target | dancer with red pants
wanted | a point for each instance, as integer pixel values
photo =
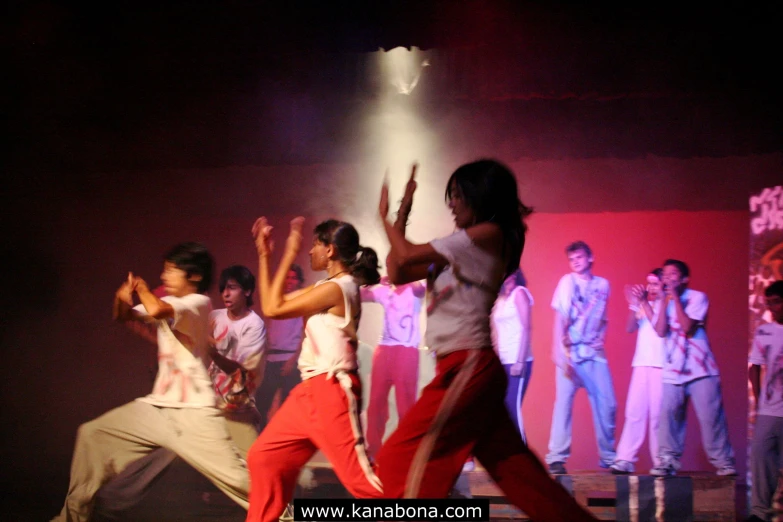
(395, 361)
(462, 410)
(322, 412)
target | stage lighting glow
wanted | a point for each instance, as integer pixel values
(404, 68)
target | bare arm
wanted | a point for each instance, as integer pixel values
(560, 353)
(225, 364)
(155, 307)
(686, 323)
(754, 375)
(408, 262)
(525, 312)
(662, 323)
(632, 324)
(273, 303)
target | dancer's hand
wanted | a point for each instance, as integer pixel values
(633, 294)
(410, 188)
(516, 369)
(139, 284)
(262, 234)
(383, 204)
(125, 291)
(294, 241)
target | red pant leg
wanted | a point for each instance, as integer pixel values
(424, 457)
(406, 378)
(378, 408)
(277, 456)
(522, 477)
(337, 431)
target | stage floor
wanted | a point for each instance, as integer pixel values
(183, 495)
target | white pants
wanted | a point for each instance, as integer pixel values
(642, 411)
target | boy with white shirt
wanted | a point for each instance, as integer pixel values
(690, 374)
(236, 368)
(765, 452)
(580, 303)
(180, 413)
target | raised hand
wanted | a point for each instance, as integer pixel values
(410, 188)
(294, 241)
(383, 204)
(138, 283)
(262, 234)
(125, 291)
(639, 293)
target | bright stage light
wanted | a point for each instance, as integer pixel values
(404, 68)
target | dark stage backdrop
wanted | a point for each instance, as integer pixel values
(70, 242)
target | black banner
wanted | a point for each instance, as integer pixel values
(321, 510)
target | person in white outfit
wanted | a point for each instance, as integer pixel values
(511, 339)
(643, 405)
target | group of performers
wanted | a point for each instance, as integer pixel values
(210, 402)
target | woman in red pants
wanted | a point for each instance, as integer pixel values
(462, 411)
(322, 412)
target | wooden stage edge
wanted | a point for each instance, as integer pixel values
(697, 497)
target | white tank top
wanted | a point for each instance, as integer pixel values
(330, 341)
(507, 327)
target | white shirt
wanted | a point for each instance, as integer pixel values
(402, 306)
(582, 303)
(183, 356)
(507, 328)
(688, 358)
(330, 341)
(242, 341)
(767, 351)
(461, 296)
(650, 346)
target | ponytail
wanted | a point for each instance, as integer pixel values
(365, 267)
(361, 262)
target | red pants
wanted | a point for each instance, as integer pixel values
(462, 412)
(319, 413)
(396, 366)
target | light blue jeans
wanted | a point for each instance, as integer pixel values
(595, 378)
(708, 403)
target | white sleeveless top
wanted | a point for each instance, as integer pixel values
(507, 328)
(330, 342)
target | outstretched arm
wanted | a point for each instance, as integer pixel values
(274, 303)
(156, 308)
(406, 262)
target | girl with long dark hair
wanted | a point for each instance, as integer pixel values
(462, 410)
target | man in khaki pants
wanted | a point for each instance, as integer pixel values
(237, 366)
(180, 413)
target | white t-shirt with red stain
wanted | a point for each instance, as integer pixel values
(583, 305)
(767, 351)
(402, 306)
(242, 341)
(330, 341)
(688, 358)
(183, 355)
(460, 297)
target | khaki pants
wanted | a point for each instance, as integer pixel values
(106, 445)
